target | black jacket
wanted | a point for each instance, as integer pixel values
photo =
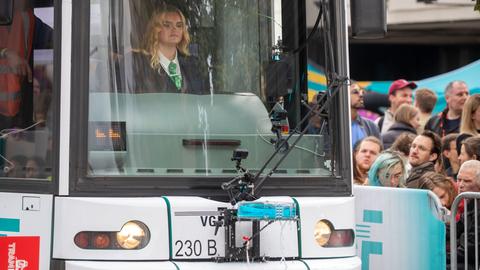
(437, 124)
(394, 131)
(142, 78)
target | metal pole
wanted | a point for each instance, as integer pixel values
(453, 228)
(465, 234)
(476, 235)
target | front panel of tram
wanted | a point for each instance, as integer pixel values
(193, 141)
(191, 115)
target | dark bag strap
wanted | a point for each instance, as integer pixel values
(380, 123)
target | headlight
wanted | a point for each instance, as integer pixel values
(322, 232)
(133, 235)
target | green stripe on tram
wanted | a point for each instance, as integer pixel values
(299, 228)
(305, 263)
(170, 249)
(176, 266)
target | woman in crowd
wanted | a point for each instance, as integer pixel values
(441, 186)
(388, 170)
(470, 149)
(403, 143)
(364, 154)
(407, 119)
(450, 155)
(470, 122)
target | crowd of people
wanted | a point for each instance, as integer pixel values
(409, 147)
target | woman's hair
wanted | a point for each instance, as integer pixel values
(405, 113)
(472, 147)
(403, 143)
(385, 161)
(459, 141)
(471, 105)
(433, 180)
(357, 174)
(151, 35)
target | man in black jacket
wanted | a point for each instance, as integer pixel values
(448, 121)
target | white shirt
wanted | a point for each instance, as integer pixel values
(388, 121)
(164, 62)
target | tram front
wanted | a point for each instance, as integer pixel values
(188, 138)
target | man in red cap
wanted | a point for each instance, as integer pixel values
(400, 92)
(448, 121)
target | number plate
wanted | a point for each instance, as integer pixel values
(193, 235)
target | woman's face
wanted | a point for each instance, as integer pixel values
(415, 121)
(170, 29)
(442, 195)
(463, 155)
(392, 177)
(476, 118)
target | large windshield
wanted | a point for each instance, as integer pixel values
(176, 86)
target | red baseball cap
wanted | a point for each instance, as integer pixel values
(399, 84)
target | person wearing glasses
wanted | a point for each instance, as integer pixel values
(164, 64)
(424, 151)
(361, 127)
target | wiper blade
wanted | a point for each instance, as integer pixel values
(315, 110)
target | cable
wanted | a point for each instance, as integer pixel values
(257, 233)
(14, 131)
(314, 29)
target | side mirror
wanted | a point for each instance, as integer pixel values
(368, 19)
(6, 12)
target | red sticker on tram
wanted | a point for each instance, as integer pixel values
(19, 252)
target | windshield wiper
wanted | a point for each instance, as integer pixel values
(321, 105)
(246, 185)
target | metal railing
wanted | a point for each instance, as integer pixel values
(467, 198)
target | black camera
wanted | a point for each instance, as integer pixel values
(239, 154)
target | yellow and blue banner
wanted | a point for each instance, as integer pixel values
(469, 74)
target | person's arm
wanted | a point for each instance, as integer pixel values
(19, 65)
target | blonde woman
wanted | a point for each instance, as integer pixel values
(164, 63)
(407, 119)
(470, 122)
